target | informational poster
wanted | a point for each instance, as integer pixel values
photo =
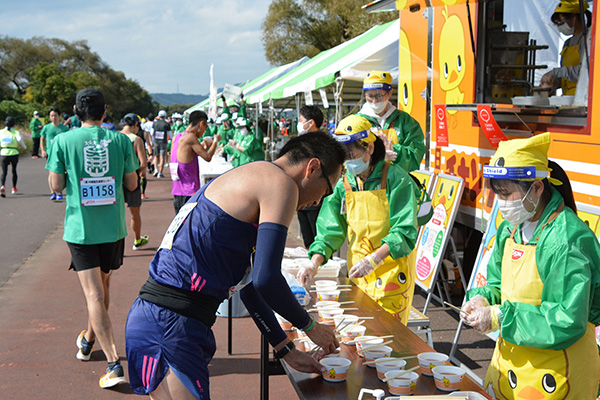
(433, 238)
(441, 133)
(591, 217)
(308, 98)
(324, 100)
(479, 274)
(232, 92)
(488, 124)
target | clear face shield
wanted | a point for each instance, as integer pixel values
(375, 96)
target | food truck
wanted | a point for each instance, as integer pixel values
(469, 72)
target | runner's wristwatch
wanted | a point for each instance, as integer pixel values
(284, 351)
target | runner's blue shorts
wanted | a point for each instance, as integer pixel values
(158, 339)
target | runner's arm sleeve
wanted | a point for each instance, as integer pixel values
(494, 268)
(411, 147)
(561, 318)
(331, 224)
(402, 237)
(269, 290)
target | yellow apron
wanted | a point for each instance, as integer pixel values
(391, 284)
(391, 134)
(520, 372)
(570, 58)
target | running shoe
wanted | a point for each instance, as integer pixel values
(53, 196)
(112, 377)
(35, 156)
(139, 243)
(59, 196)
(85, 349)
(14, 191)
(2, 191)
(143, 196)
(155, 172)
(160, 175)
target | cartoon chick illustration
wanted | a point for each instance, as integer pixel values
(405, 74)
(444, 196)
(452, 59)
(446, 382)
(332, 373)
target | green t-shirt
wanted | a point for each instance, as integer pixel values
(50, 132)
(36, 127)
(75, 122)
(95, 160)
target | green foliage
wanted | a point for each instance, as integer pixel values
(296, 28)
(50, 72)
(22, 112)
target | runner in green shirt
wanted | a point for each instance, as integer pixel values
(94, 163)
(36, 128)
(48, 134)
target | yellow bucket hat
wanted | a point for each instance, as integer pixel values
(354, 128)
(521, 159)
(570, 6)
(377, 80)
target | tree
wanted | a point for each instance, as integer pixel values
(296, 28)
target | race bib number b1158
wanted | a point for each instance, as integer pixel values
(98, 191)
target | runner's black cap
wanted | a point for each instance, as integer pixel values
(10, 121)
(89, 98)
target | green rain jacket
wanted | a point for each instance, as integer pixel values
(411, 142)
(251, 147)
(401, 193)
(568, 262)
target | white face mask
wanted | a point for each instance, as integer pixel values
(567, 30)
(515, 212)
(178, 123)
(244, 131)
(377, 107)
(301, 127)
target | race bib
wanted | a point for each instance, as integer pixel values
(98, 191)
(6, 141)
(173, 168)
(181, 216)
(160, 135)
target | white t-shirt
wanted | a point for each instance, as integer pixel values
(147, 126)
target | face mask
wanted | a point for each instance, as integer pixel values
(300, 128)
(377, 107)
(515, 212)
(567, 30)
(178, 123)
(356, 166)
(244, 131)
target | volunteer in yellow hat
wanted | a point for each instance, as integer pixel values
(403, 136)
(567, 18)
(374, 206)
(543, 292)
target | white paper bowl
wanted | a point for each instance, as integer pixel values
(347, 320)
(385, 366)
(327, 304)
(427, 361)
(448, 378)
(328, 295)
(366, 341)
(348, 335)
(377, 353)
(402, 385)
(337, 368)
(325, 284)
(327, 314)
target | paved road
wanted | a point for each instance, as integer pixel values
(27, 218)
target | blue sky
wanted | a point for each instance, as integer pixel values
(161, 44)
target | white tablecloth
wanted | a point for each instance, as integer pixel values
(212, 169)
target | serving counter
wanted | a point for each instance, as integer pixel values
(405, 343)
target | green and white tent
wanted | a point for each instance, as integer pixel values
(377, 48)
(256, 84)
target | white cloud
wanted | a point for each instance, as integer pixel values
(161, 44)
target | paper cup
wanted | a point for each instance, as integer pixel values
(337, 368)
(327, 315)
(366, 341)
(402, 385)
(448, 378)
(427, 361)
(348, 335)
(385, 366)
(377, 353)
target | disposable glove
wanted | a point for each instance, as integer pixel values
(365, 266)
(390, 155)
(307, 273)
(485, 319)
